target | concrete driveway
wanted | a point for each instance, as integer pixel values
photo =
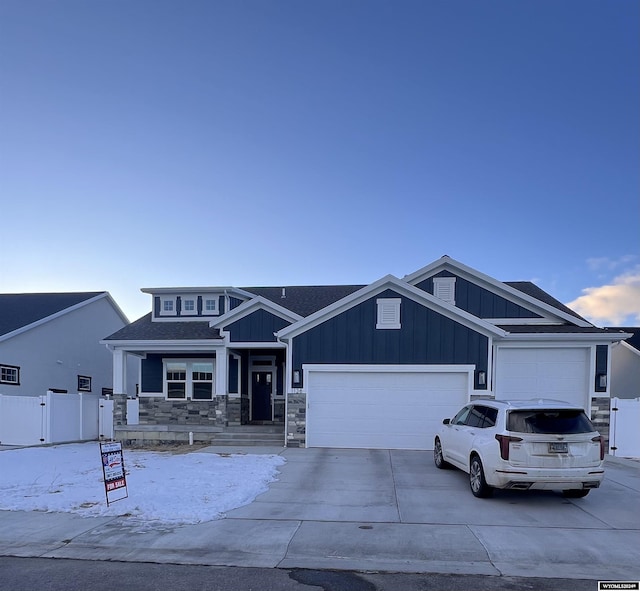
(372, 510)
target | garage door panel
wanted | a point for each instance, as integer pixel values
(543, 373)
(396, 410)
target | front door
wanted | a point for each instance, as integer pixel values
(261, 388)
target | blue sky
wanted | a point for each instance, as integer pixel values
(148, 143)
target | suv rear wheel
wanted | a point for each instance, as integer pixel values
(478, 484)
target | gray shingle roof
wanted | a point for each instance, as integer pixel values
(144, 329)
(533, 290)
(304, 299)
(18, 310)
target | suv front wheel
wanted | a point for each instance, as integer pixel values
(479, 486)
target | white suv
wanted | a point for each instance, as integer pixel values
(523, 444)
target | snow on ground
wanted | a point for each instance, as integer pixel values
(163, 487)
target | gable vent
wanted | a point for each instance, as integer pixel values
(444, 288)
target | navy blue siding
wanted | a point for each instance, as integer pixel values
(151, 370)
(258, 326)
(234, 302)
(601, 365)
(479, 301)
(426, 337)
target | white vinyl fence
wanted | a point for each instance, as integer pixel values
(53, 418)
(624, 431)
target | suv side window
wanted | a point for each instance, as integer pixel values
(475, 418)
(482, 417)
(461, 417)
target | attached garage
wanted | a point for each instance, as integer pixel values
(382, 407)
(551, 372)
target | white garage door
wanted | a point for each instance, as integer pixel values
(381, 409)
(561, 374)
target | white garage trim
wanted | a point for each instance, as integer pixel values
(382, 406)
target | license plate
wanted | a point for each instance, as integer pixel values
(558, 447)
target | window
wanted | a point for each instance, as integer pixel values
(210, 305)
(388, 313)
(549, 421)
(189, 307)
(84, 384)
(444, 288)
(167, 305)
(461, 417)
(202, 381)
(10, 374)
(482, 416)
(189, 379)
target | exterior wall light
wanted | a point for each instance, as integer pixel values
(482, 378)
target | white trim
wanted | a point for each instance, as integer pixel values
(401, 288)
(189, 362)
(174, 306)
(475, 276)
(248, 307)
(189, 298)
(220, 290)
(524, 321)
(216, 305)
(631, 348)
(170, 345)
(566, 337)
(237, 394)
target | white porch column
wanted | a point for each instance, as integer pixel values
(119, 371)
(222, 363)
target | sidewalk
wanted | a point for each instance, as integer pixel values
(370, 510)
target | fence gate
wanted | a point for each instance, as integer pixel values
(105, 419)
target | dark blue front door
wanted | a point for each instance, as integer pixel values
(261, 383)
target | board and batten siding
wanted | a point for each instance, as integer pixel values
(258, 326)
(425, 337)
(479, 301)
(151, 369)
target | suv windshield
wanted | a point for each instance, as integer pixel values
(549, 421)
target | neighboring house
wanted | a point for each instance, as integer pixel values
(373, 366)
(51, 341)
(625, 365)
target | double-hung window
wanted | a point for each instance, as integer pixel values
(189, 379)
(10, 374)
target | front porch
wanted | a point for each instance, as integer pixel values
(245, 435)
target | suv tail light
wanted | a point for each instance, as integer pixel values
(600, 439)
(504, 441)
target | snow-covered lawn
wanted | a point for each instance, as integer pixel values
(163, 487)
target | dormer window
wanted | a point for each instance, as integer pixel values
(210, 305)
(388, 313)
(189, 306)
(444, 288)
(167, 306)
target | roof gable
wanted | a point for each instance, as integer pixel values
(522, 293)
(22, 311)
(400, 287)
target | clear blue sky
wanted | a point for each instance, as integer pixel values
(148, 143)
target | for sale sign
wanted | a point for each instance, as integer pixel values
(115, 482)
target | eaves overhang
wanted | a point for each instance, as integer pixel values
(402, 288)
(595, 337)
(447, 263)
(176, 345)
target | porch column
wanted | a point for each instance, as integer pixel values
(222, 364)
(119, 371)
